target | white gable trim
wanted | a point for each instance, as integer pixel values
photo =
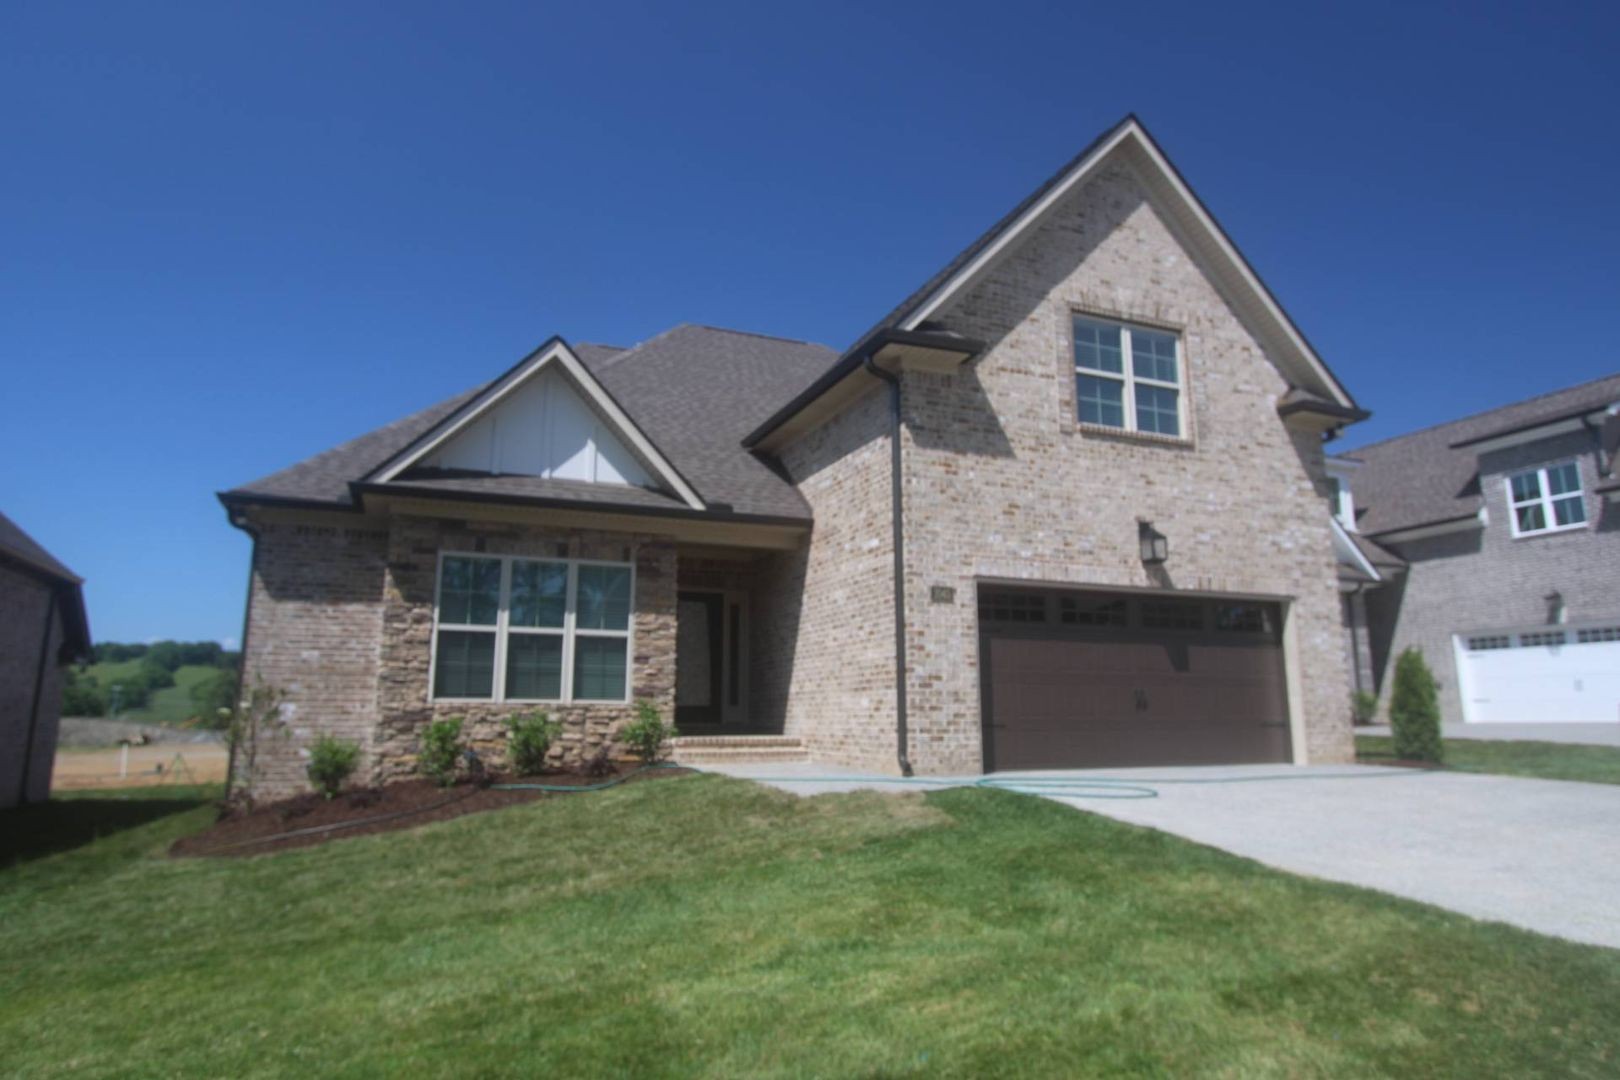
(1163, 180)
(556, 352)
(1349, 554)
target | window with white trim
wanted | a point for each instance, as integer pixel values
(1546, 500)
(1127, 377)
(508, 628)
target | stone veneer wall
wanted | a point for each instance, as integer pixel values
(26, 600)
(1001, 482)
(341, 620)
(406, 706)
(824, 617)
(1485, 580)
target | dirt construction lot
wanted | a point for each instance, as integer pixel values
(172, 763)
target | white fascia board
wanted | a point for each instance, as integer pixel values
(1348, 553)
(1194, 214)
(560, 354)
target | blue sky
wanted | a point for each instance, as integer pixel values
(232, 235)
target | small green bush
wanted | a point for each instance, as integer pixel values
(441, 751)
(1363, 706)
(647, 735)
(1414, 710)
(331, 762)
(528, 738)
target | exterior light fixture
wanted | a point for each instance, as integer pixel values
(1555, 608)
(1155, 545)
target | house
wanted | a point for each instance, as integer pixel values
(1497, 543)
(1066, 505)
(44, 628)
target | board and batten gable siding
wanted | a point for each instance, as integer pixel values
(1487, 579)
(825, 628)
(1002, 484)
(26, 602)
(542, 428)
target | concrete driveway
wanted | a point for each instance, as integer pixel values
(1539, 854)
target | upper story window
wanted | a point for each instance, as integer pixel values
(1128, 377)
(1546, 500)
(512, 629)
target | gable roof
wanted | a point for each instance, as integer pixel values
(554, 353)
(19, 547)
(1431, 476)
(1129, 139)
(693, 391)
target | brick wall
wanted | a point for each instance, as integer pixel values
(26, 600)
(1001, 483)
(315, 632)
(825, 618)
(1486, 579)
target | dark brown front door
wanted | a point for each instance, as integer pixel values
(1091, 680)
(698, 658)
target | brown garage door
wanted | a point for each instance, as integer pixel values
(1088, 680)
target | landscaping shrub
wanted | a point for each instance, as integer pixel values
(331, 762)
(441, 751)
(1363, 706)
(1414, 710)
(647, 734)
(598, 765)
(528, 738)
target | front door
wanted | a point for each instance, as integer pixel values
(699, 658)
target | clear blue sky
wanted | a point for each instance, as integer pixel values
(232, 235)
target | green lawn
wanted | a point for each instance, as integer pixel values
(171, 705)
(1545, 760)
(705, 926)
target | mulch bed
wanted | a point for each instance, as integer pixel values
(402, 805)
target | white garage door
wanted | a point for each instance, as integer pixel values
(1558, 676)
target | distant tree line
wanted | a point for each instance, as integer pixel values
(85, 694)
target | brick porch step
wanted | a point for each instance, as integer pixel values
(737, 749)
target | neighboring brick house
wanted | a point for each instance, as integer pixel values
(1066, 505)
(1497, 539)
(44, 627)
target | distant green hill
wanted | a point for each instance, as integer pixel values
(171, 705)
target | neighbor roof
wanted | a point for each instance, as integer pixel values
(694, 391)
(1431, 476)
(21, 548)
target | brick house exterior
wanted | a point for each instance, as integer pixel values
(748, 508)
(1460, 572)
(44, 629)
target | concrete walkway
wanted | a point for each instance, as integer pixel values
(1539, 854)
(1587, 734)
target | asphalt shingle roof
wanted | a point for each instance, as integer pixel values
(695, 391)
(1422, 477)
(24, 548)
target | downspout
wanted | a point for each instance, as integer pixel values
(897, 524)
(1355, 636)
(241, 664)
(39, 691)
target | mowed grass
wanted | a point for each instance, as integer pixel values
(702, 926)
(1544, 760)
(171, 705)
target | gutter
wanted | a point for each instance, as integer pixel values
(897, 525)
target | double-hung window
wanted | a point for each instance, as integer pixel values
(1128, 377)
(1546, 500)
(516, 629)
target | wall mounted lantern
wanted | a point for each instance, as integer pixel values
(1155, 545)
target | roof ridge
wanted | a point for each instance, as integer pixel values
(751, 333)
(626, 352)
(1482, 412)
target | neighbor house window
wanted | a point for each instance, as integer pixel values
(515, 629)
(1127, 377)
(1546, 500)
